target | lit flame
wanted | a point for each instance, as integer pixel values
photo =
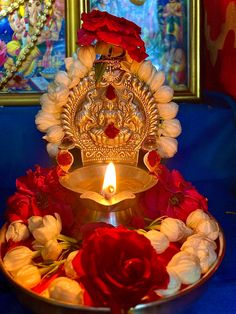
(109, 183)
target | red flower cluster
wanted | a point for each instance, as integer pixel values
(104, 27)
(118, 267)
(39, 193)
(172, 196)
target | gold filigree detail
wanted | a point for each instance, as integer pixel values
(132, 116)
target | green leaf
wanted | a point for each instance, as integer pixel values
(100, 68)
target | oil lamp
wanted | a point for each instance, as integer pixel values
(109, 129)
(110, 192)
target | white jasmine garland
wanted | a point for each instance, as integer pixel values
(145, 70)
(44, 120)
(18, 257)
(87, 56)
(61, 77)
(209, 228)
(174, 229)
(28, 276)
(195, 217)
(46, 229)
(199, 241)
(203, 248)
(76, 68)
(68, 62)
(164, 94)
(168, 110)
(186, 266)
(167, 146)
(49, 105)
(135, 66)
(52, 149)
(58, 93)
(17, 231)
(76, 72)
(66, 290)
(34, 222)
(173, 285)
(206, 256)
(171, 128)
(157, 81)
(153, 73)
(54, 134)
(158, 240)
(51, 250)
(69, 269)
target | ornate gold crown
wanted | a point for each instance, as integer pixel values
(110, 128)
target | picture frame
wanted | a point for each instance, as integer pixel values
(67, 44)
(178, 29)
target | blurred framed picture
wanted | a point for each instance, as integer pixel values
(171, 31)
(42, 57)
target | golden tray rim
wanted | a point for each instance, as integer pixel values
(138, 308)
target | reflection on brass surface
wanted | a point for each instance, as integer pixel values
(90, 178)
(88, 181)
(88, 113)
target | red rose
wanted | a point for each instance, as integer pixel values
(173, 196)
(21, 207)
(102, 26)
(88, 229)
(118, 267)
(40, 193)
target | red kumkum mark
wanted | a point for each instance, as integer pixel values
(111, 131)
(110, 92)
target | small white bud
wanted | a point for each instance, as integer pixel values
(66, 290)
(51, 250)
(28, 276)
(158, 240)
(174, 229)
(186, 266)
(194, 218)
(17, 231)
(173, 286)
(69, 269)
(209, 228)
(18, 257)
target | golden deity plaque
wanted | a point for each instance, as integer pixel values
(110, 128)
